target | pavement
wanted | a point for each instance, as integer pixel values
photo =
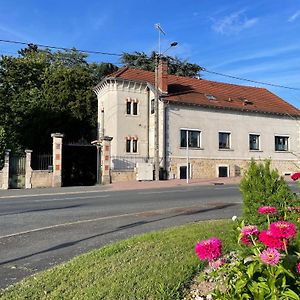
(120, 186)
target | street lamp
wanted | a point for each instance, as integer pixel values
(158, 56)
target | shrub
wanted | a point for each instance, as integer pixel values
(262, 186)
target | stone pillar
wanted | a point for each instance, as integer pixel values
(28, 170)
(57, 159)
(105, 159)
(5, 171)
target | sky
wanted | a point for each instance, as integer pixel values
(256, 40)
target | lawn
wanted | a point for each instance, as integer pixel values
(157, 265)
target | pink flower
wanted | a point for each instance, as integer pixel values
(267, 238)
(209, 249)
(283, 229)
(298, 267)
(295, 176)
(248, 231)
(270, 256)
(267, 210)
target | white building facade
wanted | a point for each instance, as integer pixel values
(206, 129)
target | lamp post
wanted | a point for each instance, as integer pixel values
(156, 111)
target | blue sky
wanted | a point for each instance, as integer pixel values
(258, 40)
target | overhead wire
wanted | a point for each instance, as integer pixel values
(119, 54)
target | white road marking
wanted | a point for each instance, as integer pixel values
(103, 218)
(52, 194)
(71, 198)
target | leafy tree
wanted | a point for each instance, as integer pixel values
(43, 92)
(262, 186)
(141, 60)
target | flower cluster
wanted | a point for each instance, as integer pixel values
(270, 257)
(267, 210)
(210, 249)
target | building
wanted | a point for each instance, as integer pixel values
(213, 128)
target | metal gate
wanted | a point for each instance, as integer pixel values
(79, 165)
(17, 167)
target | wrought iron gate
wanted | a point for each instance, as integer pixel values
(79, 165)
(17, 167)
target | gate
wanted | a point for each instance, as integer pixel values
(17, 166)
(79, 165)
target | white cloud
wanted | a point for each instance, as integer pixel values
(294, 16)
(266, 53)
(233, 23)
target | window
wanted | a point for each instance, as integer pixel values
(193, 138)
(134, 146)
(128, 108)
(254, 142)
(134, 111)
(152, 105)
(131, 106)
(128, 145)
(281, 143)
(131, 145)
(224, 140)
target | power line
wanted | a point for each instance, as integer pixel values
(118, 54)
(250, 80)
(60, 48)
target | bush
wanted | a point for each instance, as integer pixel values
(262, 186)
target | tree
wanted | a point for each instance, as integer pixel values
(141, 60)
(262, 186)
(43, 92)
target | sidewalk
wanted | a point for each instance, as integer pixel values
(136, 185)
(118, 186)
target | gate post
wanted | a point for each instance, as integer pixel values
(5, 171)
(28, 170)
(105, 159)
(57, 159)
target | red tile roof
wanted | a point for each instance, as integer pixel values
(194, 91)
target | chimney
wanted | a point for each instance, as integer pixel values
(163, 75)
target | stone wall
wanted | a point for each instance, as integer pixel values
(126, 175)
(41, 179)
(209, 168)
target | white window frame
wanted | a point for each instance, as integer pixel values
(132, 140)
(132, 101)
(259, 141)
(282, 136)
(199, 138)
(230, 144)
(225, 166)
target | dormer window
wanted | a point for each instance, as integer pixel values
(245, 101)
(211, 97)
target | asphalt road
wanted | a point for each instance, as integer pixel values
(39, 231)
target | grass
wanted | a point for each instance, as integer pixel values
(152, 266)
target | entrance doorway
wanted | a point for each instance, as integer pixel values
(183, 172)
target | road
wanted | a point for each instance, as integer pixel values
(42, 230)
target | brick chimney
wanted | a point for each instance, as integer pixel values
(163, 75)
